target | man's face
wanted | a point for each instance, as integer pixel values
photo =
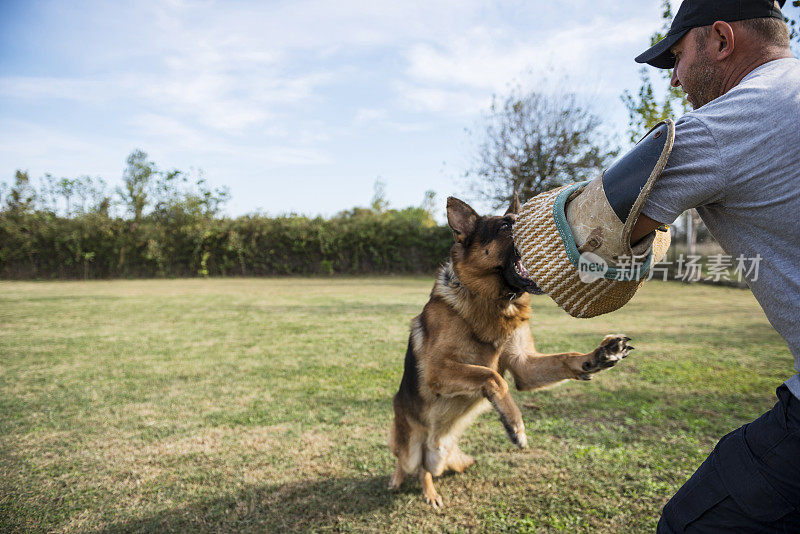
(695, 71)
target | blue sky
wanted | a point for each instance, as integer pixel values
(296, 106)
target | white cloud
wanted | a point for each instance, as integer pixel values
(368, 115)
(42, 149)
(288, 155)
(171, 135)
(169, 130)
(238, 66)
(433, 99)
(460, 76)
(380, 118)
(265, 85)
(16, 142)
(51, 87)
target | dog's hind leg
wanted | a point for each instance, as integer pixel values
(398, 477)
(399, 437)
(431, 495)
(409, 460)
(435, 456)
(437, 453)
(406, 442)
(441, 448)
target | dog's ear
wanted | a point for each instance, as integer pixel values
(461, 218)
(513, 208)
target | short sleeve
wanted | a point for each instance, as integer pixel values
(693, 176)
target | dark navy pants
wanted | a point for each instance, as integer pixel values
(749, 483)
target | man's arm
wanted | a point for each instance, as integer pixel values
(694, 176)
(644, 225)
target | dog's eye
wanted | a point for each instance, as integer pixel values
(505, 225)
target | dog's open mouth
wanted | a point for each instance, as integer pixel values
(518, 277)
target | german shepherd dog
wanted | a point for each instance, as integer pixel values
(471, 332)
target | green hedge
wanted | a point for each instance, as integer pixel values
(42, 245)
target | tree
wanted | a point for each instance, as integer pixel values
(93, 193)
(379, 203)
(137, 179)
(168, 194)
(533, 142)
(176, 193)
(66, 187)
(73, 196)
(429, 204)
(794, 28)
(21, 196)
(644, 109)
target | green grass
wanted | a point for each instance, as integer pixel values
(263, 405)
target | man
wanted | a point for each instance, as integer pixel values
(737, 160)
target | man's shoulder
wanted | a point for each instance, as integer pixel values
(695, 125)
(776, 69)
(767, 85)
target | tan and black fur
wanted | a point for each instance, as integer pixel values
(471, 332)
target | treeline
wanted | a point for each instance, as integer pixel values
(168, 224)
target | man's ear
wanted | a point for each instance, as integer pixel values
(723, 38)
(461, 218)
(513, 208)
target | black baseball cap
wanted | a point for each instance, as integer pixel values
(697, 13)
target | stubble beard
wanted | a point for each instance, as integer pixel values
(704, 82)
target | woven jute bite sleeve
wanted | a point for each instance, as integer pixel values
(575, 240)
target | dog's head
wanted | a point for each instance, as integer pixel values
(483, 255)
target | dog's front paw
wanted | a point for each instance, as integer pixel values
(522, 439)
(516, 433)
(612, 349)
(511, 418)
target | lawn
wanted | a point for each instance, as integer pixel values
(263, 405)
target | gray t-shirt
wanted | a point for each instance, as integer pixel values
(737, 160)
